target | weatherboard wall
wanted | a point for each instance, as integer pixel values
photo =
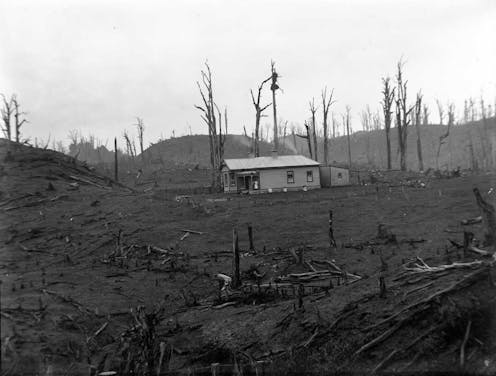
(277, 178)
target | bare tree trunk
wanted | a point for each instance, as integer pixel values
(258, 115)
(6, 112)
(313, 109)
(236, 278)
(216, 142)
(116, 168)
(308, 137)
(274, 86)
(346, 121)
(18, 121)
(141, 129)
(326, 103)
(402, 115)
(387, 102)
(418, 111)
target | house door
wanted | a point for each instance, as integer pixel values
(247, 182)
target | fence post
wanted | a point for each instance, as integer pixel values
(332, 241)
(250, 237)
(116, 167)
(236, 282)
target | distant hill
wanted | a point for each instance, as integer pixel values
(195, 150)
(367, 148)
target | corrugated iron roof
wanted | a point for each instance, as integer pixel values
(280, 161)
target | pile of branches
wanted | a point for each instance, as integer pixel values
(431, 315)
(140, 350)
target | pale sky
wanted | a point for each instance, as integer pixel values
(96, 65)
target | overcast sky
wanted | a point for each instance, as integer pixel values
(96, 65)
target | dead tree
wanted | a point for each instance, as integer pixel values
(129, 145)
(236, 278)
(216, 140)
(258, 114)
(308, 138)
(402, 115)
(141, 128)
(313, 110)
(116, 166)
(366, 118)
(274, 86)
(425, 116)
(485, 139)
(326, 103)
(334, 125)
(442, 140)
(18, 118)
(346, 123)
(387, 102)
(451, 123)
(6, 112)
(418, 113)
(440, 110)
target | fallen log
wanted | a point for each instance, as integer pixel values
(403, 349)
(464, 344)
(193, 232)
(464, 282)
(86, 181)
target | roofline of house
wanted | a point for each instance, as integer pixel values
(271, 167)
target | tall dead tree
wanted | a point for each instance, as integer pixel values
(129, 145)
(274, 86)
(366, 119)
(346, 123)
(425, 116)
(485, 140)
(258, 114)
(116, 162)
(308, 137)
(326, 103)
(313, 110)
(140, 125)
(451, 123)
(334, 125)
(387, 102)
(402, 114)
(417, 116)
(442, 140)
(440, 110)
(18, 120)
(216, 140)
(6, 112)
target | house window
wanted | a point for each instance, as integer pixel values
(231, 178)
(310, 176)
(290, 176)
(340, 175)
(226, 180)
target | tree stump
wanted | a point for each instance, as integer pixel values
(236, 281)
(332, 241)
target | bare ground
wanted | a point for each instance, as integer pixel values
(77, 297)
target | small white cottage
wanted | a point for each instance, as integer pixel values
(270, 174)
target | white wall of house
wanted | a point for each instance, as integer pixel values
(339, 176)
(278, 178)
